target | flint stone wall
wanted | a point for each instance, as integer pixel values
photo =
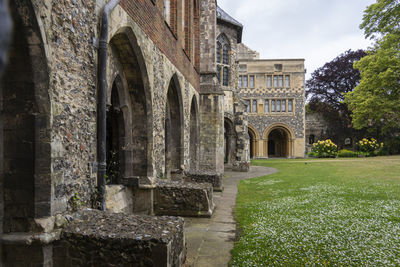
(214, 179)
(183, 199)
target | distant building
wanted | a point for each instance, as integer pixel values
(274, 92)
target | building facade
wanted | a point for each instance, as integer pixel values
(274, 93)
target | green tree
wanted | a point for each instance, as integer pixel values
(381, 18)
(375, 102)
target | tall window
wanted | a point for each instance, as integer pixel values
(287, 81)
(219, 73)
(254, 106)
(251, 81)
(222, 57)
(283, 106)
(266, 106)
(278, 105)
(275, 81)
(272, 105)
(248, 107)
(240, 81)
(290, 105)
(269, 81)
(244, 81)
(167, 8)
(219, 48)
(225, 55)
(280, 80)
(225, 76)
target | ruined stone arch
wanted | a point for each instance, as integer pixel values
(194, 134)
(254, 140)
(174, 128)
(279, 140)
(230, 138)
(139, 162)
(119, 132)
(25, 156)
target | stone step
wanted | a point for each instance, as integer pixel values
(183, 199)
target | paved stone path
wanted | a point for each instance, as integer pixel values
(210, 240)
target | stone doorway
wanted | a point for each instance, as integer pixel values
(173, 130)
(194, 135)
(278, 143)
(115, 139)
(229, 141)
(252, 136)
(25, 126)
(130, 108)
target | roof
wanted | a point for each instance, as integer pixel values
(222, 15)
(225, 17)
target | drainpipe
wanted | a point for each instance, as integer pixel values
(101, 102)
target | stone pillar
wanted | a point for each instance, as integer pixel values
(211, 139)
(242, 160)
(211, 132)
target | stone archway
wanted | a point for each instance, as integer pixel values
(254, 138)
(279, 141)
(173, 130)
(194, 135)
(229, 141)
(118, 147)
(25, 126)
(137, 138)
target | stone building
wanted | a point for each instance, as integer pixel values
(274, 92)
(229, 36)
(316, 129)
(110, 104)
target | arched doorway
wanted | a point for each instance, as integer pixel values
(25, 126)
(253, 142)
(133, 107)
(115, 138)
(279, 141)
(194, 133)
(173, 129)
(229, 141)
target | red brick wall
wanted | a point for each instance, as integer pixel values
(151, 21)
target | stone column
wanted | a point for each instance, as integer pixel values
(211, 139)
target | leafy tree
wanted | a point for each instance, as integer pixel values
(326, 88)
(375, 102)
(381, 18)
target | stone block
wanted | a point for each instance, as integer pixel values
(213, 178)
(95, 238)
(119, 198)
(183, 199)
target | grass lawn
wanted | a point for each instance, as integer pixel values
(340, 212)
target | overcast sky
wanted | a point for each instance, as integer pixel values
(316, 30)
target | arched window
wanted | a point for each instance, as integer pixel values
(219, 73)
(222, 56)
(225, 76)
(219, 48)
(225, 55)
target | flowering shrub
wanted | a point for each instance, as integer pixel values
(369, 147)
(325, 149)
